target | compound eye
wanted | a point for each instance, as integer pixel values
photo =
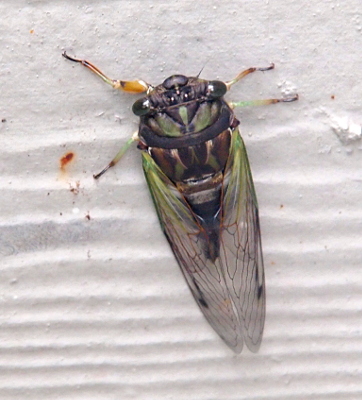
(141, 107)
(216, 89)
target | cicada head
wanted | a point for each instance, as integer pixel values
(180, 106)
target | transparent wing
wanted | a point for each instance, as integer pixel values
(230, 291)
(188, 239)
(240, 250)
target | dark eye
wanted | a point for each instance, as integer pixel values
(141, 107)
(216, 89)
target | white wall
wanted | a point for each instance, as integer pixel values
(97, 309)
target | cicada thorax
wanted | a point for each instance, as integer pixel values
(186, 128)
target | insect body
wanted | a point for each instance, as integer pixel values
(197, 170)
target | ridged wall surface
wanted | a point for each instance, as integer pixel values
(92, 303)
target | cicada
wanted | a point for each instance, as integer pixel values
(198, 174)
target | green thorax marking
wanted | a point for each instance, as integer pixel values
(185, 119)
(184, 114)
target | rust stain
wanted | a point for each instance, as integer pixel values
(64, 163)
(66, 160)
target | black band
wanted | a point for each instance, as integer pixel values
(220, 125)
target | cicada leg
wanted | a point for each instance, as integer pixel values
(234, 104)
(243, 74)
(138, 86)
(118, 156)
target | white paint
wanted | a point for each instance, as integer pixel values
(346, 130)
(97, 309)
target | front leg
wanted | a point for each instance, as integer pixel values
(137, 86)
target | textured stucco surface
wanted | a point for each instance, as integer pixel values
(97, 308)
